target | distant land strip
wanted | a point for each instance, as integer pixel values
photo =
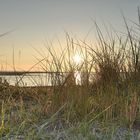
(21, 72)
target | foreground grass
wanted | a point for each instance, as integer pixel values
(28, 113)
(105, 105)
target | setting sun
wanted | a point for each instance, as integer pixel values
(77, 59)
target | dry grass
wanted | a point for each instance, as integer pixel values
(109, 89)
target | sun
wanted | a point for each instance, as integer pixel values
(77, 59)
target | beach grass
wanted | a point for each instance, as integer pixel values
(103, 105)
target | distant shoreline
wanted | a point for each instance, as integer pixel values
(21, 72)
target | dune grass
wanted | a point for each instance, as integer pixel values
(107, 96)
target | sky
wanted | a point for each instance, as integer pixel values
(32, 22)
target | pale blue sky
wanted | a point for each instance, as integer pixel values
(36, 20)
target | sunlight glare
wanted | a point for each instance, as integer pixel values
(77, 59)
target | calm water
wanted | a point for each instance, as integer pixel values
(39, 79)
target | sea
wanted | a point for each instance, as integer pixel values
(39, 79)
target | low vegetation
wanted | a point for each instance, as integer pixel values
(103, 104)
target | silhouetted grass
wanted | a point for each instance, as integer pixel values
(107, 94)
